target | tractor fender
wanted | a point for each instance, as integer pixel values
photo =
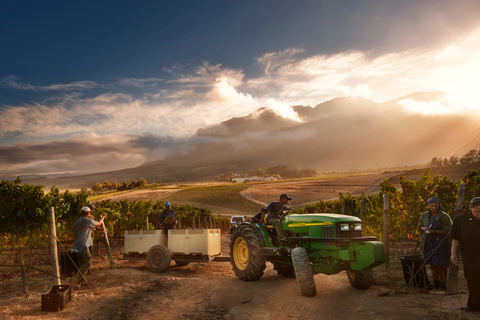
(261, 232)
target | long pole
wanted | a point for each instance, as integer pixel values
(386, 231)
(107, 245)
(24, 276)
(452, 281)
(53, 247)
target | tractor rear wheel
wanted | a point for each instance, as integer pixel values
(158, 259)
(246, 253)
(286, 270)
(360, 279)
(303, 272)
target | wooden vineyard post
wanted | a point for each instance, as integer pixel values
(386, 231)
(24, 276)
(53, 247)
(452, 281)
(107, 245)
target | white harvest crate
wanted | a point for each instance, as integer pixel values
(180, 241)
(140, 241)
(194, 241)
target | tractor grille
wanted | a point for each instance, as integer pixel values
(328, 232)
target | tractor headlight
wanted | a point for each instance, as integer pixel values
(358, 227)
(344, 227)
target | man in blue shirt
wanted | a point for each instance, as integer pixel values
(276, 211)
(168, 218)
(82, 230)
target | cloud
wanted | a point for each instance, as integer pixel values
(14, 83)
(316, 78)
(151, 117)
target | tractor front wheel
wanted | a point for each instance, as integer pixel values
(360, 279)
(246, 253)
(303, 272)
(158, 259)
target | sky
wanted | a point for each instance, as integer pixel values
(89, 86)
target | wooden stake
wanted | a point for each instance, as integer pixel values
(386, 231)
(107, 245)
(24, 276)
(53, 246)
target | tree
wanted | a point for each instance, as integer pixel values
(453, 160)
(435, 162)
(97, 187)
(469, 157)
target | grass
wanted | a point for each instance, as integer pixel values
(105, 195)
(220, 196)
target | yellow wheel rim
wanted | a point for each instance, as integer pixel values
(240, 253)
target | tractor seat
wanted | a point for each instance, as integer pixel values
(268, 226)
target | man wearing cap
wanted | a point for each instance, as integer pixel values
(466, 232)
(276, 211)
(82, 230)
(92, 211)
(168, 218)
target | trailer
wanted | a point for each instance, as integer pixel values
(182, 246)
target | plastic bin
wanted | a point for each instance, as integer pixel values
(56, 298)
(140, 241)
(68, 264)
(414, 271)
(194, 241)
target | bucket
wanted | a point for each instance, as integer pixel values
(414, 271)
(67, 266)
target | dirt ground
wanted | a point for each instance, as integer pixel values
(209, 290)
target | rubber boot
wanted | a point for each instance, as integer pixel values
(441, 286)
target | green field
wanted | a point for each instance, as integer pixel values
(217, 197)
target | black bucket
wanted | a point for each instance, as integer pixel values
(414, 271)
(68, 264)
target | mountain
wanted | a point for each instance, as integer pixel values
(336, 135)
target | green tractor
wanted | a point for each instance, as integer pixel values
(316, 243)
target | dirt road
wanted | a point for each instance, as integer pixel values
(210, 291)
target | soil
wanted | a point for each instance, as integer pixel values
(210, 290)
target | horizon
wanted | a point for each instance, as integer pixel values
(136, 84)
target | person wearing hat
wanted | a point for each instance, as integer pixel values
(435, 225)
(276, 211)
(168, 218)
(82, 233)
(466, 236)
(92, 211)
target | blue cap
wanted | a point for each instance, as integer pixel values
(167, 204)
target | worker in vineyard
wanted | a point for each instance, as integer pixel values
(276, 211)
(466, 232)
(82, 233)
(99, 227)
(168, 218)
(435, 226)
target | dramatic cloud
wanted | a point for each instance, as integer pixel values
(129, 121)
(308, 81)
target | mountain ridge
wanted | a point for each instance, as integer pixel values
(337, 135)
